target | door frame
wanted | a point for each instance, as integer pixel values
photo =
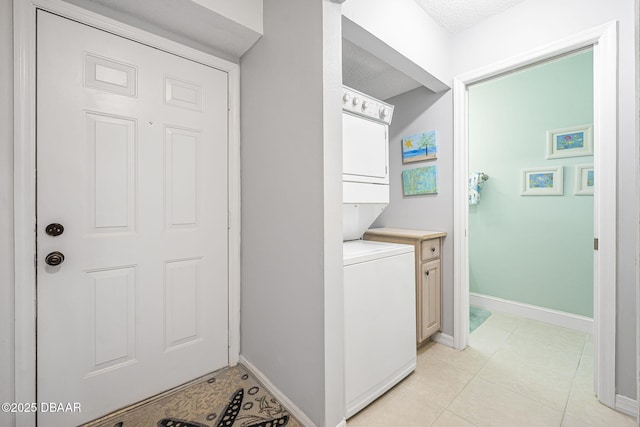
(604, 40)
(24, 24)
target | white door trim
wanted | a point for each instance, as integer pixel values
(637, 39)
(605, 62)
(24, 24)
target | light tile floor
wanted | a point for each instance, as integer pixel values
(515, 372)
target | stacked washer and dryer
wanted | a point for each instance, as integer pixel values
(379, 278)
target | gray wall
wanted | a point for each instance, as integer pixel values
(532, 24)
(416, 111)
(6, 208)
(291, 200)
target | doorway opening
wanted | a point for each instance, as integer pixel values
(531, 218)
(603, 40)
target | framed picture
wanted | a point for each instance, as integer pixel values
(420, 181)
(584, 180)
(542, 182)
(570, 142)
(419, 147)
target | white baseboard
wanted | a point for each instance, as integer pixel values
(555, 317)
(627, 405)
(443, 339)
(281, 397)
(343, 423)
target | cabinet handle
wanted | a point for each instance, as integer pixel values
(426, 273)
(433, 249)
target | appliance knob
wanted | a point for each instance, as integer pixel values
(384, 112)
(346, 98)
(356, 101)
(365, 105)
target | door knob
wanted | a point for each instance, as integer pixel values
(54, 258)
(54, 229)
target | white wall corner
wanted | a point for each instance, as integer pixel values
(247, 13)
(279, 395)
(443, 339)
(626, 405)
(334, 400)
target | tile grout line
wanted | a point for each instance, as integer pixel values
(573, 383)
(471, 379)
(438, 417)
(453, 365)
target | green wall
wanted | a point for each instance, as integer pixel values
(531, 249)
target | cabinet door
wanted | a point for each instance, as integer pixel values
(430, 299)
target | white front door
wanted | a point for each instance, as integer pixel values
(132, 162)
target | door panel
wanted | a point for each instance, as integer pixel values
(364, 152)
(111, 329)
(132, 160)
(183, 309)
(181, 171)
(111, 147)
(430, 294)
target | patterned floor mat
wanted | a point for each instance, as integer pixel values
(230, 397)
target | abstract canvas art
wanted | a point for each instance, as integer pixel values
(420, 181)
(419, 147)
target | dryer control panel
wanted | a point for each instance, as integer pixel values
(364, 105)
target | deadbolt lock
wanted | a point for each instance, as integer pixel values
(54, 229)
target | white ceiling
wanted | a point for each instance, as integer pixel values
(458, 15)
(189, 20)
(367, 73)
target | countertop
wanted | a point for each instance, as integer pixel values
(405, 233)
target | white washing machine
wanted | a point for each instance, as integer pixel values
(380, 320)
